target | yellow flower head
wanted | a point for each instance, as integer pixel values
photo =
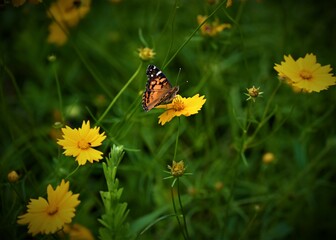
(66, 14)
(13, 177)
(228, 3)
(146, 53)
(268, 157)
(79, 143)
(177, 169)
(76, 232)
(48, 216)
(211, 29)
(305, 73)
(253, 93)
(181, 106)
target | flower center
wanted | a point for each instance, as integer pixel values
(82, 144)
(208, 28)
(253, 91)
(305, 75)
(52, 210)
(177, 169)
(178, 104)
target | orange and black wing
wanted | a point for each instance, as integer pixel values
(158, 89)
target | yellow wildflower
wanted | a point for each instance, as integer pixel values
(48, 216)
(76, 232)
(79, 143)
(253, 93)
(211, 29)
(13, 176)
(66, 14)
(268, 157)
(181, 106)
(146, 53)
(305, 73)
(177, 169)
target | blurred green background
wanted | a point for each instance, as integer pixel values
(292, 197)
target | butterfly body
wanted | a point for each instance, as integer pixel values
(158, 89)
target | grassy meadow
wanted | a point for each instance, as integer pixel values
(258, 157)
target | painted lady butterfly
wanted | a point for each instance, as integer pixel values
(158, 89)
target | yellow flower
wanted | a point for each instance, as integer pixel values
(13, 176)
(181, 106)
(57, 35)
(177, 169)
(79, 143)
(228, 3)
(76, 232)
(48, 216)
(253, 93)
(65, 14)
(305, 73)
(146, 53)
(211, 29)
(268, 157)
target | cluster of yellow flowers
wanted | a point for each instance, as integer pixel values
(43, 216)
(65, 14)
(50, 215)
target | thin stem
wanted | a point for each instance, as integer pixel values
(18, 91)
(192, 34)
(264, 118)
(58, 86)
(177, 139)
(119, 94)
(249, 225)
(70, 174)
(182, 210)
(155, 222)
(64, 28)
(176, 213)
(172, 30)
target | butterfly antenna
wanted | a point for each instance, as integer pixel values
(178, 75)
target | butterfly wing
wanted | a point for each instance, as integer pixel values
(158, 89)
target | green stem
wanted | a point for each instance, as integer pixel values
(18, 91)
(155, 222)
(91, 70)
(176, 213)
(263, 119)
(70, 174)
(58, 86)
(177, 139)
(80, 55)
(172, 31)
(119, 94)
(182, 210)
(192, 34)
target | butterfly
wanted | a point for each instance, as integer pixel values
(158, 89)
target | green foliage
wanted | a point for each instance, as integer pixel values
(113, 220)
(98, 76)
